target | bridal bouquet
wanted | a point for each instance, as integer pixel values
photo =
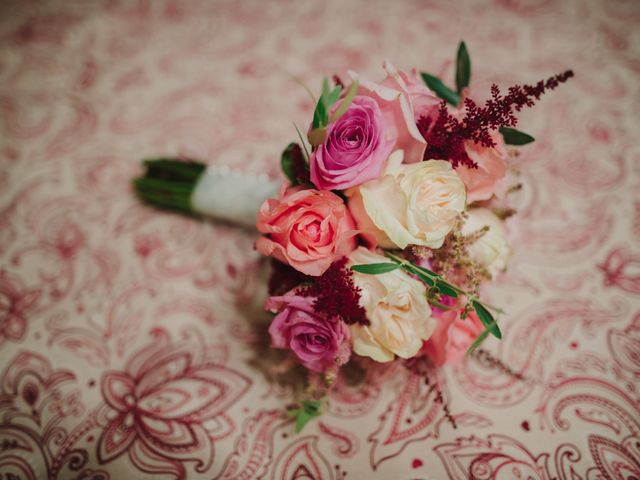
(391, 219)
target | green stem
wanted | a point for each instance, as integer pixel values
(169, 183)
(170, 169)
(435, 278)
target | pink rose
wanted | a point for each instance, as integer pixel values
(452, 336)
(355, 149)
(319, 343)
(307, 229)
(423, 102)
(490, 177)
(403, 99)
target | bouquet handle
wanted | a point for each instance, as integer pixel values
(215, 192)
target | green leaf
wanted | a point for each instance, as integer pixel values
(426, 279)
(476, 343)
(293, 413)
(302, 418)
(442, 307)
(325, 90)
(487, 319)
(440, 89)
(425, 270)
(463, 67)
(375, 268)
(346, 102)
(326, 100)
(334, 96)
(515, 137)
(310, 409)
(424, 274)
(320, 114)
(445, 289)
(286, 162)
(304, 146)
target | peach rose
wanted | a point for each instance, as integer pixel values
(307, 229)
(402, 100)
(411, 204)
(489, 178)
(397, 308)
(452, 337)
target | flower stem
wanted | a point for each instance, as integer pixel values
(169, 183)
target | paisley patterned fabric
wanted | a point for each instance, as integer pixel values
(132, 341)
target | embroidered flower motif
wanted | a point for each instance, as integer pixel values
(160, 406)
(15, 302)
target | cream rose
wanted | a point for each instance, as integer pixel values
(414, 204)
(491, 250)
(397, 308)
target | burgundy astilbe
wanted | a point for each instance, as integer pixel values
(284, 278)
(446, 134)
(336, 295)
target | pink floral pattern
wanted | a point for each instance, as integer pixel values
(161, 405)
(15, 304)
(129, 338)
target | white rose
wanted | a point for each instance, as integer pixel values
(415, 204)
(491, 250)
(397, 309)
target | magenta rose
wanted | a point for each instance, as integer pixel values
(318, 342)
(355, 149)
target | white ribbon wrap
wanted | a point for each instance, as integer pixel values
(232, 196)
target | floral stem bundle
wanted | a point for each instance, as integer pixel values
(390, 221)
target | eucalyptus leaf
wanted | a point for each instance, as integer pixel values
(440, 89)
(515, 137)
(375, 268)
(415, 271)
(463, 67)
(487, 319)
(425, 270)
(445, 289)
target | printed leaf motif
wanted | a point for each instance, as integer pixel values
(415, 399)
